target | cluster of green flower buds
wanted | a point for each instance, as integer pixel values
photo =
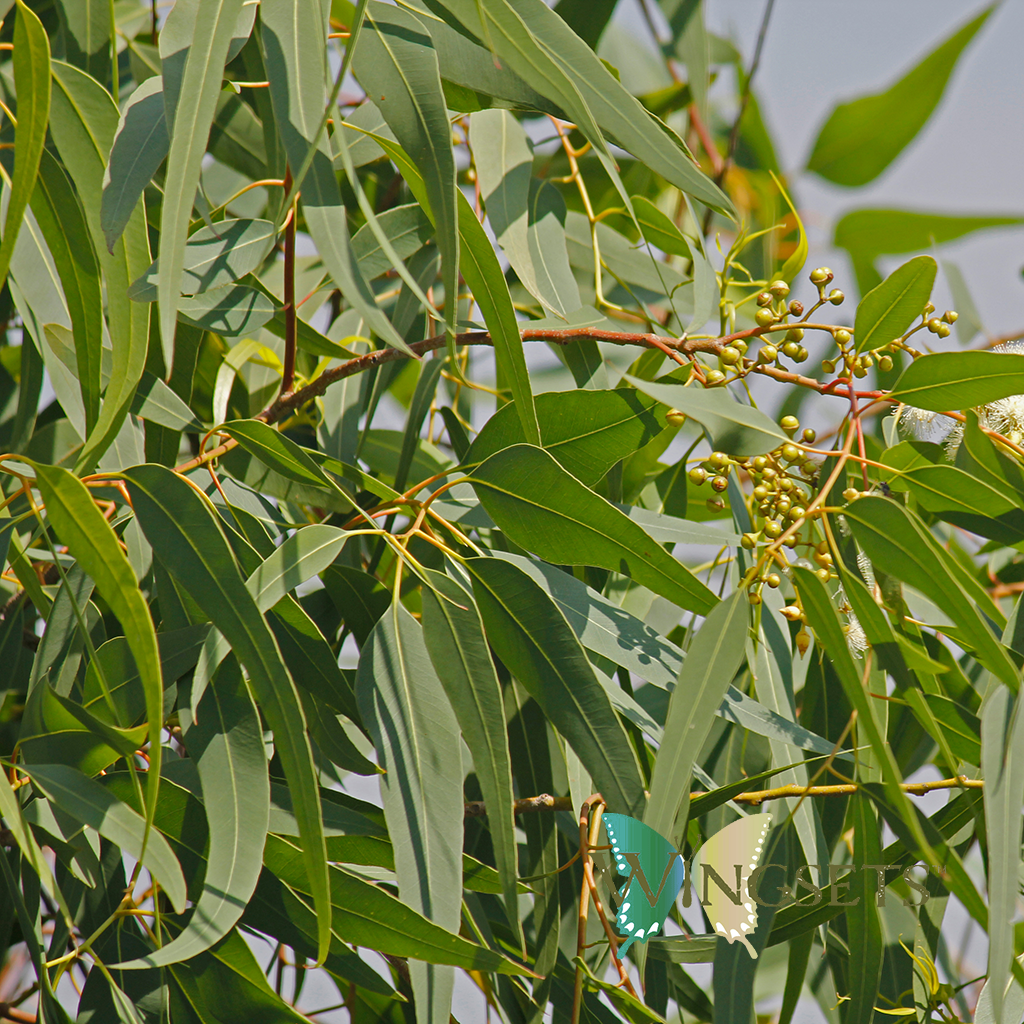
(715, 470)
(935, 325)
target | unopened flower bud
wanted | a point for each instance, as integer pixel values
(934, 324)
(790, 424)
(803, 641)
(792, 612)
(764, 317)
(851, 494)
(950, 316)
(767, 354)
(943, 331)
(842, 336)
(729, 355)
(822, 275)
(836, 297)
(764, 299)
(885, 363)
(796, 308)
(697, 476)
(715, 505)
(779, 289)
(714, 377)
(676, 417)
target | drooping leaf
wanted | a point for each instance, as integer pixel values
(533, 639)
(942, 381)
(175, 518)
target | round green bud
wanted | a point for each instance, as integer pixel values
(824, 575)
(809, 436)
(802, 355)
(797, 512)
(943, 331)
(796, 308)
(950, 316)
(729, 355)
(851, 494)
(772, 529)
(822, 275)
(749, 541)
(809, 468)
(740, 345)
(790, 452)
(769, 473)
(697, 476)
(719, 460)
(790, 424)
(885, 363)
(795, 334)
(754, 598)
(760, 492)
(779, 289)
(786, 485)
(783, 505)
(764, 298)
(773, 580)
(859, 369)
(828, 366)
(791, 349)
(765, 509)
(929, 307)
(676, 417)
(714, 377)
(715, 505)
(768, 354)
(842, 336)
(764, 318)
(758, 464)
(719, 484)
(934, 324)
(836, 297)
(866, 360)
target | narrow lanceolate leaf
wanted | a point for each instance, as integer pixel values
(864, 928)
(90, 539)
(32, 83)
(83, 121)
(1002, 766)
(416, 736)
(543, 508)
(11, 812)
(294, 40)
(62, 221)
(85, 800)
(823, 619)
(850, 149)
(306, 553)
(532, 638)
(193, 47)
(454, 636)
(960, 380)
(486, 280)
(890, 309)
(504, 166)
(226, 744)
(713, 659)
(894, 537)
(395, 62)
(734, 428)
(140, 147)
(178, 521)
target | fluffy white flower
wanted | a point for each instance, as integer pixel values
(919, 422)
(856, 638)
(866, 569)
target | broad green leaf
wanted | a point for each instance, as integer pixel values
(531, 636)
(226, 981)
(140, 147)
(659, 229)
(307, 552)
(850, 150)
(83, 121)
(230, 310)
(944, 381)
(863, 926)
(32, 84)
(480, 267)
(214, 258)
(179, 522)
(531, 236)
(226, 744)
(88, 35)
(416, 737)
(89, 537)
(294, 43)
(547, 510)
(368, 915)
(156, 402)
(395, 62)
(361, 599)
(62, 221)
(85, 800)
(588, 432)
(1002, 766)
(407, 227)
(537, 45)
(714, 657)
(454, 636)
(889, 310)
(892, 536)
(734, 428)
